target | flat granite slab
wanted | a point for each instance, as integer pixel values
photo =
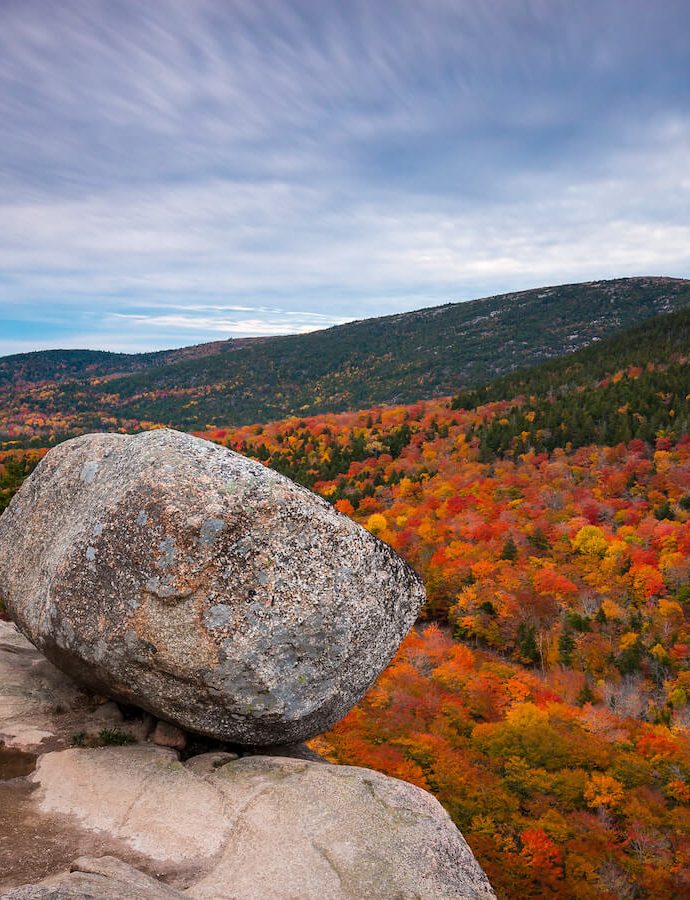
(136, 821)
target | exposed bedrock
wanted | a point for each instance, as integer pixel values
(253, 829)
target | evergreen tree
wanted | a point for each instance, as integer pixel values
(510, 550)
(566, 646)
(586, 695)
(527, 643)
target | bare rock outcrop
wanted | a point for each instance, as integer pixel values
(264, 827)
(105, 878)
(214, 826)
(173, 574)
(41, 709)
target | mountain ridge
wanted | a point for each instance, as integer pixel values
(399, 358)
(421, 313)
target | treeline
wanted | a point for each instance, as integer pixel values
(662, 339)
(647, 406)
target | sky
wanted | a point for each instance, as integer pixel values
(178, 171)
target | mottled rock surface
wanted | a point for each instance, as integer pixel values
(167, 735)
(40, 708)
(176, 575)
(263, 827)
(213, 826)
(104, 878)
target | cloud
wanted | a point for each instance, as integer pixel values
(308, 163)
(268, 322)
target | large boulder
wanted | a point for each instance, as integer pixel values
(173, 574)
(262, 828)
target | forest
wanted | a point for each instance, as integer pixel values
(545, 699)
(393, 359)
(543, 696)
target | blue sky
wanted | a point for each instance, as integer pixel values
(187, 170)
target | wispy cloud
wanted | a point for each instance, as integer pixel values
(267, 322)
(175, 170)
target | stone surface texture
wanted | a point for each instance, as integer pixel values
(169, 573)
(263, 827)
(39, 708)
(213, 826)
(167, 735)
(103, 878)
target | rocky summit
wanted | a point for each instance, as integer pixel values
(136, 820)
(260, 827)
(178, 576)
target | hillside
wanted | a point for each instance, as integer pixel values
(635, 384)
(395, 359)
(546, 699)
(653, 342)
(550, 710)
(23, 369)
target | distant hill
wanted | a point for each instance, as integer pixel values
(64, 365)
(633, 384)
(394, 359)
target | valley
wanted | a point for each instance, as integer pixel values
(543, 696)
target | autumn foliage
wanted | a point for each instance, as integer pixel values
(545, 702)
(544, 695)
